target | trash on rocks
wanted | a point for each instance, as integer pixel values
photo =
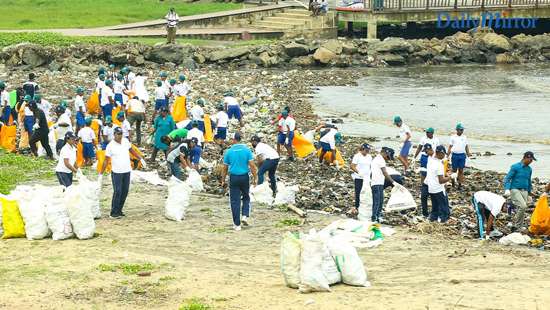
(178, 199)
(514, 239)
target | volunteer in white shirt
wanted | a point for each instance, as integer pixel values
(487, 206)
(360, 165)
(172, 20)
(87, 137)
(405, 135)
(195, 132)
(232, 107)
(80, 108)
(379, 175)
(182, 88)
(328, 142)
(436, 179)
(28, 120)
(197, 113)
(268, 161)
(61, 127)
(287, 125)
(221, 120)
(5, 104)
(118, 155)
(43, 105)
(136, 114)
(119, 90)
(66, 164)
(125, 125)
(458, 150)
(107, 132)
(107, 100)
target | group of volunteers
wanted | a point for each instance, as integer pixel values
(434, 174)
(182, 129)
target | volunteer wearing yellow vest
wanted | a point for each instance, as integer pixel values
(118, 155)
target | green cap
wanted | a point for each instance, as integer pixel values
(397, 119)
(37, 97)
(172, 82)
(101, 71)
(159, 83)
(88, 120)
(27, 98)
(111, 66)
(108, 82)
(338, 137)
(120, 115)
(119, 77)
(63, 103)
(221, 106)
(284, 113)
(201, 102)
(163, 74)
(182, 77)
(108, 119)
(101, 76)
(229, 93)
(80, 90)
(459, 126)
(124, 70)
(430, 130)
(2, 85)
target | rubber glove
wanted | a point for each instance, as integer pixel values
(454, 176)
(143, 164)
(507, 193)
(35, 126)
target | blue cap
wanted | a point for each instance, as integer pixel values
(427, 146)
(237, 136)
(440, 149)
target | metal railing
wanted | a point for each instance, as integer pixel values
(392, 5)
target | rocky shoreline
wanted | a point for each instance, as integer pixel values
(480, 47)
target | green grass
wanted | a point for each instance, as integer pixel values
(194, 304)
(127, 269)
(288, 222)
(48, 14)
(55, 39)
(16, 169)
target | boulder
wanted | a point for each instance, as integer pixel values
(324, 55)
(199, 58)
(442, 59)
(294, 49)
(349, 48)
(167, 53)
(507, 58)
(303, 61)
(139, 60)
(392, 59)
(230, 53)
(493, 42)
(120, 59)
(189, 63)
(334, 46)
(393, 45)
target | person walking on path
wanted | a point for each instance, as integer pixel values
(118, 155)
(517, 185)
(436, 179)
(268, 160)
(40, 131)
(66, 165)
(379, 175)
(163, 125)
(427, 142)
(405, 135)
(360, 165)
(239, 162)
(459, 151)
(172, 20)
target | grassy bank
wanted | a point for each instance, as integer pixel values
(48, 14)
(54, 39)
(17, 169)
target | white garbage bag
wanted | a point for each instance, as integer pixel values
(194, 180)
(349, 263)
(80, 214)
(310, 136)
(291, 249)
(312, 277)
(329, 267)
(365, 202)
(58, 219)
(90, 192)
(261, 194)
(286, 195)
(400, 199)
(32, 205)
(151, 177)
(178, 199)
(514, 239)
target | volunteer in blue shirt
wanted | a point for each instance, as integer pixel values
(239, 161)
(517, 185)
(194, 153)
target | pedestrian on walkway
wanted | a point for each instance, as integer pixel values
(517, 185)
(172, 20)
(459, 151)
(268, 161)
(405, 135)
(66, 165)
(239, 162)
(40, 131)
(379, 175)
(118, 155)
(360, 165)
(436, 179)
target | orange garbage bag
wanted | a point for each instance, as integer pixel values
(339, 160)
(134, 160)
(92, 106)
(96, 127)
(79, 155)
(208, 134)
(540, 219)
(113, 115)
(302, 146)
(179, 110)
(100, 155)
(8, 136)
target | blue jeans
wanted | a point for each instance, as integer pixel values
(65, 179)
(175, 169)
(377, 201)
(269, 166)
(358, 185)
(107, 110)
(440, 207)
(396, 177)
(121, 186)
(239, 188)
(424, 199)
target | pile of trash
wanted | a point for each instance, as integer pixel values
(37, 212)
(312, 262)
(262, 194)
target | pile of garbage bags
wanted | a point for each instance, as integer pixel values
(37, 212)
(179, 194)
(312, 262)
(262, 194)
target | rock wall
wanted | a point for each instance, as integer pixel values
(483, 47)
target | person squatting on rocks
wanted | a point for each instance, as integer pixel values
(239, 162)
(329, 135)
(487, 207)
(517, 185)
(268, 161)
(232, 107)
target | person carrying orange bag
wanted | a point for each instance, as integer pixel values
(92, 106)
